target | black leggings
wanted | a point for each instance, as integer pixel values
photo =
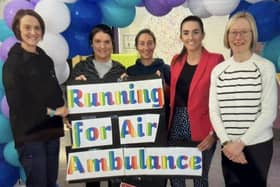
(252, 174)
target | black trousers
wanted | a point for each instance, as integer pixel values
(252, 174)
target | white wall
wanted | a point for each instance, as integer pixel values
(166, 29)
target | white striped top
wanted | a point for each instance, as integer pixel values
(243, 100)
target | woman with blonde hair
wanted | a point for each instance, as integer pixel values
(243, 105)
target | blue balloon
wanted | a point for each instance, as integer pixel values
(84, 15)
(6, 32)
(11, 154)
(78, 42)
(22, 174)
(93, 0)
(5, 130)
(115, 15)
(271, 51)
(141, 3)
(242, 6)
(2, 146)
(128, 3)
(2, 93)
(8, 174)
(278, 65)
(266, 14)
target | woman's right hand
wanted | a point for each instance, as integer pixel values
(81, 78)
(234, 152)
(67, 123)
(123, 76)
(158, 73)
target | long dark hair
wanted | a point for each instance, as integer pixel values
(187, 19)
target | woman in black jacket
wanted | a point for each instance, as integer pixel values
(35, 100)
(99, 68)
(147, 65)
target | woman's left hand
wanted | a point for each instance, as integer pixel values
(207, 142)
(61, 111)
(233, 149)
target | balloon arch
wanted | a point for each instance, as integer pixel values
(68, 23)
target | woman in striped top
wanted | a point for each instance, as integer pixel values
(243, 104)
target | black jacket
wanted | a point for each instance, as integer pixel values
(139, 69)
(88, 69)
(31, 86)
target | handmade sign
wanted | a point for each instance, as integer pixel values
(120, 96)
(134, 161)
(99, 131)
(119, 130)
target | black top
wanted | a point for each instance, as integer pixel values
(158, 64)
(88, 69)
(31, 87)
(139, 69)
(183, 84)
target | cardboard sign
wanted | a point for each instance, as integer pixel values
(134, 161)
(119, 96)
(91, 132)
(97, 132)
(125, 124)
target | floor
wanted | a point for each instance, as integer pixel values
(215, 175)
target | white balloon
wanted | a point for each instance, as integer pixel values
(197, 8)
(55, 14)
(68, 1)
(55, 46)
(62, 72)
(220, 7)
(3, 3)
(186, 4)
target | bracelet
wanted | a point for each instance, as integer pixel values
(52, 113)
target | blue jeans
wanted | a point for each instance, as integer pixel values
(40, 162)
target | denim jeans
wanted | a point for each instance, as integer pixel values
(40, 162)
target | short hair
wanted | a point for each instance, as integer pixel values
(101, 28)
(144, 31)
(20, 14)
(247, 16)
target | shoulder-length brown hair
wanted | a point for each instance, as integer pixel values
(21, 13)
